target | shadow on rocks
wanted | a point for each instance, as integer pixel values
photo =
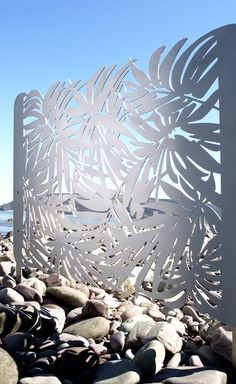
(77, 364)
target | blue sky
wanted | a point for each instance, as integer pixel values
(48, 40)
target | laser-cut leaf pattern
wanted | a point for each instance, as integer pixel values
(122, 171)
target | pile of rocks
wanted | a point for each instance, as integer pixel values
(54, 330)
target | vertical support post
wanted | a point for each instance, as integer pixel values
(227, 87)
(234, 349)
(19, 277)
(227, 98)
(18, 208)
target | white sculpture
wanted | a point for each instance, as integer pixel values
(135, 169)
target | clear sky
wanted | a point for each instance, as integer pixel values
(48, 40)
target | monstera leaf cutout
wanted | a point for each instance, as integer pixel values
(121, 172)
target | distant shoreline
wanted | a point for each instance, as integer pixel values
(7, 206)
(6, 221)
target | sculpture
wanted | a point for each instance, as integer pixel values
(134, 169)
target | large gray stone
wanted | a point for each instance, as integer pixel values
(166, 334)
(37, 284)
(195, 361)
(150, 357)
(58, 314)
(178, 325)
(117, 372)
(71, 296)
(91, 328)
(143, 320)
(42, 379)
(211, 358)
(95, 308)
(29, 292)
(208, 329)
(143, 301)
(117, 341)
(137, 327)
(222, 340)
(131, 311)
(190, 311)
(74, 315)
(8, 368)
(175, 361)
(54, 280)
(188, 375)
(109, 300)
(156, 314)
(6, 267)
(9, 295)
(72, 340)
(8, 281)
(19, 342)
(78, 364)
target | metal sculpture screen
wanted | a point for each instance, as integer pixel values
(134, 171)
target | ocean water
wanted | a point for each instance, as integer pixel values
(5, 225)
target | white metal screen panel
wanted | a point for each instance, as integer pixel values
(135, 168)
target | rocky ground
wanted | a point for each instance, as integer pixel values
(54, 330)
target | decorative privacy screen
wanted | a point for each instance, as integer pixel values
(134, 171)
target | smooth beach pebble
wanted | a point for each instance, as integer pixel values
(195, 361)
(188, 375)
(19, 341)
(150, 357)
(117, 341)
(8, 368)
(8, 281)
(82, 288)
(131, 311)
(37, 284)
(156, 314)
(74, 315)
(95, 327)
(137, 328)
(190, 311)
(129, 354)
(175, 360)
(179, 326)
(9, 295)
(117, 372)
(222, 342)
(211, 358)
(54, 280)
(71, 296)
(29, 292)
(165, 333)
(5, 268)
(94, 308)
(134, 321)
(72, 340)
(78, 364)
(58, 315)
(41, 379)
